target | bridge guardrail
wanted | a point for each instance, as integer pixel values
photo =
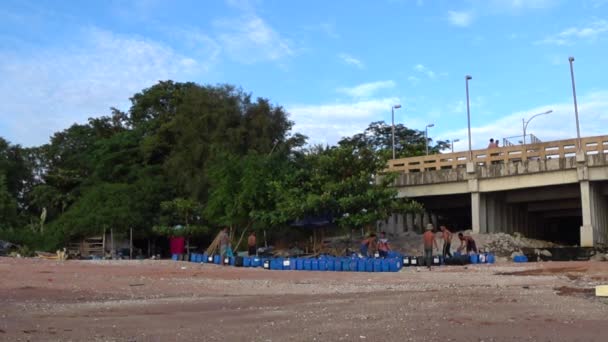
(545, 150)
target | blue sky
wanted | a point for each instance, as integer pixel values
(335, 66)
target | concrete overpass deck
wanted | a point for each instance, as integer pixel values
(538, 189)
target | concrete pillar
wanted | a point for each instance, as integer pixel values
(434, 220)
(478, 213)
(409, 222)
(400, 225)
(595, 220)
(491, 213)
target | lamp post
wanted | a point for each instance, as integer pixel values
(578, 131)
(426, 137)
(397, 106)
(467, 78)
(525, 123)
(454, 141)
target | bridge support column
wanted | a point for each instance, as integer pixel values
(409, 222)
(595, 217)
(478, 213)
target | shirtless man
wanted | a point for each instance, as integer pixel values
(447, 241)
(468, 243)
(429, 241)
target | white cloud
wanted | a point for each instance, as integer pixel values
(568, 36)
(422, 69)
(48, 90)
(328, 123)
(519, 5)
(350, 60)
(561, 124)
(250, 39)
(460, 18)
(413, 80)
(367, 89)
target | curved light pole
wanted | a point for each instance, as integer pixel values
(467, 78)
(454, 141)
(525, 123)
(426, 137)
(578, 131)
(397, 106)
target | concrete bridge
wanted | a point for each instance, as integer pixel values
(552, 190)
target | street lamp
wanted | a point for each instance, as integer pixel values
(397, 106)
(467, 78)
(426, 139)
(578, 131)
(454, 141)
(525, 123)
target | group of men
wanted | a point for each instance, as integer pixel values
(466, 243)
(226, 250)
(371, 244)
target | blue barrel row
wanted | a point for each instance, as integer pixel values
(324, 263)
(328, 263)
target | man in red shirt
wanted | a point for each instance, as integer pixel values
(429, 242)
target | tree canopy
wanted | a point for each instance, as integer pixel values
(200, 157)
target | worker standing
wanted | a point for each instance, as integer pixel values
(467, 242)
(367, 245)
(447, 241)
(429, 241)
(252, 243)
(383, 246)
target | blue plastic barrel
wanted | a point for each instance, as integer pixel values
(204, 257)
(474, 258)
(217, 259)
(307, 264)
(338, 265)
(232, 261)
(314, 265)
(175, 257)
(345, 264)
(491, 258)
(299, 264)
(369, 265)
(385, 265)
(377, 265)
(292, 263)
(394, 265)
(331, 264)
(520, 258)
(322, 265)
(255, 262)
(360, 265)
(193, 257)
(352, 266)
(246, 262)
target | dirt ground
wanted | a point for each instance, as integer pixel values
(179, 301)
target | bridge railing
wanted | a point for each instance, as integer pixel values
(545, 150)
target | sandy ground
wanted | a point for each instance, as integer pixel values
(179, 301)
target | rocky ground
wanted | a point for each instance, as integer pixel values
(177, 301)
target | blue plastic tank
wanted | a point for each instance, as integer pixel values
(377, 265)
(307, 264)
(338, 265)
(205, 257)
(474, 259)
(217, 259)
(246, 262)
(360, 265)
(491, 258)
(299, 264)
(369, 265)
(345, 264)
(385, 265)
(314, 265)
(175, 257)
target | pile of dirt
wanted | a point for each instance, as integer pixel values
(501, 244)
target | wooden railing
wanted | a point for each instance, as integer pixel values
(545, 150)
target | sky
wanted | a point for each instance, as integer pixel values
(335, 66)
